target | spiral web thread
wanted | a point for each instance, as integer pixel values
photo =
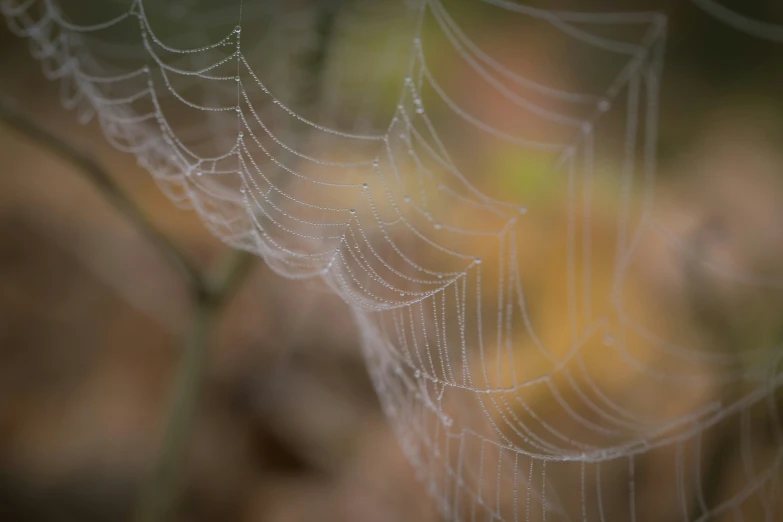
(504, 416)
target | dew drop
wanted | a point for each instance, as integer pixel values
(352, 211)
(478, 260)
(419, 110)
(417, 374)
(241, 135)
(238, 29)
(364, 186)
(407, 199)
(237, 79)
(604, 105)
(437, 226)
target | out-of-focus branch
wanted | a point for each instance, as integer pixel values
(14, 117)
(209, 293)
(163, 490)
(229, 274)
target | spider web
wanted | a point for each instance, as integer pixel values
(515, 397)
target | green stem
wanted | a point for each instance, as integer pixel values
(164, 488)
(231, 271)
(11, 115)
(161, 495)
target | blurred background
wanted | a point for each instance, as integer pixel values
(290, 429)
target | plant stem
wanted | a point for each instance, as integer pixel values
(162, 491)
(161, 494)
(11, 115)
(229, 274)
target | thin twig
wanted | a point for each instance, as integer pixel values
(229, 274)
(163, 490)
(15, 118)
(161, 495)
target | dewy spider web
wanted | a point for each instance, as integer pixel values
(504, 415)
